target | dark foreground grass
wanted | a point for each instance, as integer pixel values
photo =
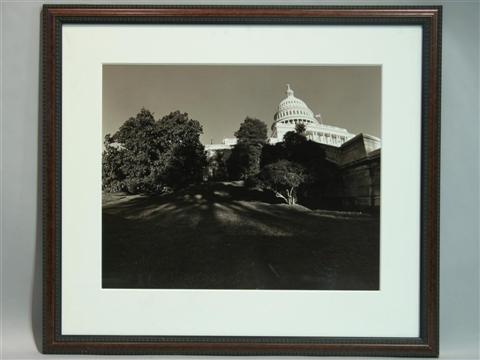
(222, 236)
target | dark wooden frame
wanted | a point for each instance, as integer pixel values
(429, 18)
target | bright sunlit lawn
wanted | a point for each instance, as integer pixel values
(223, 236)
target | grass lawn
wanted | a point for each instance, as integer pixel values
(223, 236)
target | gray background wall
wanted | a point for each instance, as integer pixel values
(20, 197)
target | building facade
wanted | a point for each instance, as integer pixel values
(292, 111)
(358, 161)
(357, 157)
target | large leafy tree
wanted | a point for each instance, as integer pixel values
(145, 155)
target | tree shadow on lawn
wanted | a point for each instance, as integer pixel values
(220, 236)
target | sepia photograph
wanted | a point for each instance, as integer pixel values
(240, 180)
(248, 177)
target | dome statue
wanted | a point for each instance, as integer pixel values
(292, 111)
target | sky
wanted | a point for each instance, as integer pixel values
(221, 96)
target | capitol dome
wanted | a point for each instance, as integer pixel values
(292, 108)
(292, 111)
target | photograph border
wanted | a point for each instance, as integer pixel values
(428, 17)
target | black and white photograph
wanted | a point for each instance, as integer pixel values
(247, 177)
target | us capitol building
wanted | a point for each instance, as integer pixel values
(292, 111)
(356, 156)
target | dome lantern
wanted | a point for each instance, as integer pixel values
(289, 91)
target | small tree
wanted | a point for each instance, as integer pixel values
(217, 165)
(283, 178)
(300, 129)
(294, 138)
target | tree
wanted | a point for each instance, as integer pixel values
(321, 177)
(273, 153)
(182, 157)
(283, 178)
(293, 139)
(112, 172)
(252, 130)
(217, 165)
(300, 129)
(145, 155)
(129, 155)
(244, 161)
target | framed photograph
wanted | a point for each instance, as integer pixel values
(241, 180)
